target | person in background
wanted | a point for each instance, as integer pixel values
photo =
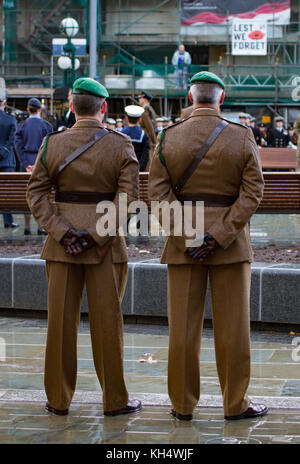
(111, 123)
(8, 127)
(29, 137)
(186, 112)
(251, 122)
(139, 138)
(69, 116)
(159, 124)
(297, 133)
(293, 137)
(166, 121)
(119, 124)
(148, 119)
(181, 60)
(48, 117)
(243, 119)
(278, 136)
(263, 134)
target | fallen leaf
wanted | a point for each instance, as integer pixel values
(149, 360)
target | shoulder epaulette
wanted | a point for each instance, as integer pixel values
(116, 132)
(45, 145)
(236, 123)
(160, 155)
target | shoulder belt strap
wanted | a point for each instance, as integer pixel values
(200, 155)
(75, 154)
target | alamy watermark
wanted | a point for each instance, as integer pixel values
(2, 349)
(296, 350)
(177, 219)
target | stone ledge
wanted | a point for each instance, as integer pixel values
(275, 289)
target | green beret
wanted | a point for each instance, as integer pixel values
(206, 76)
(146, 95)
(88, 86)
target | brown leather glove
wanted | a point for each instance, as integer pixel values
(207, 249)
(76, 242)
(86, 241)
(70, 242)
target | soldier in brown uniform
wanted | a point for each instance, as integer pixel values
(85, 164)
(186, 112)
(148, 119)
(229, 180)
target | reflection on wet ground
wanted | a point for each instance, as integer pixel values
(266, 229)
(275, 380)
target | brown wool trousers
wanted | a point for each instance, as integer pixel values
(105, 285)
(230, 292)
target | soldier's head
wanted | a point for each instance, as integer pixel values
(243, 118)
(133, 114)
(279, 121)
(34, 106)
(253, 122)
(144, 98)
(88, 99)
(111, 123)
(69, 96)
(119, 123)
(262, 127)
(207, 89)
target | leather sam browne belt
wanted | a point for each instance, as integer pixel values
(209, 200)
(83, 197)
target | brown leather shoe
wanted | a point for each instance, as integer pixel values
(254, 410)
(184, 417)
(58, 412)
(132, 406)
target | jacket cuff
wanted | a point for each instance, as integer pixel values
(221, 237)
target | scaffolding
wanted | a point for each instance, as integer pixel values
(136, 41)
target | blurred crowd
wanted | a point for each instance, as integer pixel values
(21, 135)
(276, 135)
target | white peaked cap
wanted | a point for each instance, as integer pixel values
(134, 111)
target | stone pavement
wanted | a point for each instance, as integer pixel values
(275, 381)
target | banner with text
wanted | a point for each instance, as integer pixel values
(195, 12)
(249, 37)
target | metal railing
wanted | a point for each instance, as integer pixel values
(274, 82)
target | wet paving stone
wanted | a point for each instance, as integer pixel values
(23, 420)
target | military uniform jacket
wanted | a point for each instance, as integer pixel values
(186, 112)
(110, 165)
(277, 139)
(297, 126)
(230, 167)
(149, 123)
